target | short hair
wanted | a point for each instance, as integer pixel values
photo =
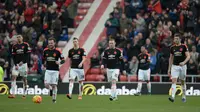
(75, 38)
(111, 39)
(19, 36)
(51, 38)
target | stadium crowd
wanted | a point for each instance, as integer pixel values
(36, 21)
(152, 23)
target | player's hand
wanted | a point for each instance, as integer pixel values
(182, 64)
(80, 65)
(16, 67)
(169, 73)
(57, 63)
(102, 66)
(21, 63)
(124, 72)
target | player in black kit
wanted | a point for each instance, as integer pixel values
(179, 56)
(77, 57)
(144, 71)
(51, 56)
(112, 60)
(20, 53)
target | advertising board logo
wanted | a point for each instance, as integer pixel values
(4, 90)
(179, 91)
(89, 89)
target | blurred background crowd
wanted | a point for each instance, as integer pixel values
(136, 23)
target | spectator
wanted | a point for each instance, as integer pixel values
(140, 23)
(194, 55)
(124, 23)
(133, 66)
(94, 61)
(191, 67)
(72, 6)
(112, 25)
(198, 46)
(102, 45)
(56, 28)
(148, 45)
(64, 35)
(128, 51)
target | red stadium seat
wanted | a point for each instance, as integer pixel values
(123, 78)
(84, 5)
(156, 78)
(100, 77)
(94, 71)
(134, 78)
(79, 18)
(90, 78)
(82, 11)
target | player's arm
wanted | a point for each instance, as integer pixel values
(27, 54)
(44, 58)
(83, 58)
(187, 54)
(171, 58)
(14, 55)
(104, 58)
(62, 58)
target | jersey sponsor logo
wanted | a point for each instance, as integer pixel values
(111, 57)
(20, 51)
(76, 56)
(51, 59)
(89, 89)
(142, 61)
(4, 90)
(177, 54)
(189, 92)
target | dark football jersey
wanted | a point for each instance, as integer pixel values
(112, 58)
(21, 53)
(76, 56)
(178, 52)
(50, 56)
(144, 61)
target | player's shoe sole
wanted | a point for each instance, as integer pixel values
(54, 101)
(69, 96)
(137, 94)
(23, 97)
(113, 99)
(79, 97)
(171, 99)
(183, 100)
(11, 96)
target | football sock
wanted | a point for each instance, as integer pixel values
(114, 89)
(149, 87)
(54, 93)
(173, 87)
(139, 86)
(80, 88)
(71, 86)
(13, 84)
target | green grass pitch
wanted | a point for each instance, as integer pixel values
(153, 103)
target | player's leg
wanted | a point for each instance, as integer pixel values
(13, 82)
(147, 78)
(47, 80)
(81, 78)
(114, 79)
(183, 84)
(140, 80)
(23, 73)
(54, 83)
(72, 76)
(174, 73)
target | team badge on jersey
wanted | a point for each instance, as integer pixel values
(54, 54)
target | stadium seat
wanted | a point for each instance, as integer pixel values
(100, 77)
(79, 18)
(156, 78)
(62, 43)
(123, 78)
(84, 5)
(134, 78)
(82, 11)
(86, 1)
(94, 71)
